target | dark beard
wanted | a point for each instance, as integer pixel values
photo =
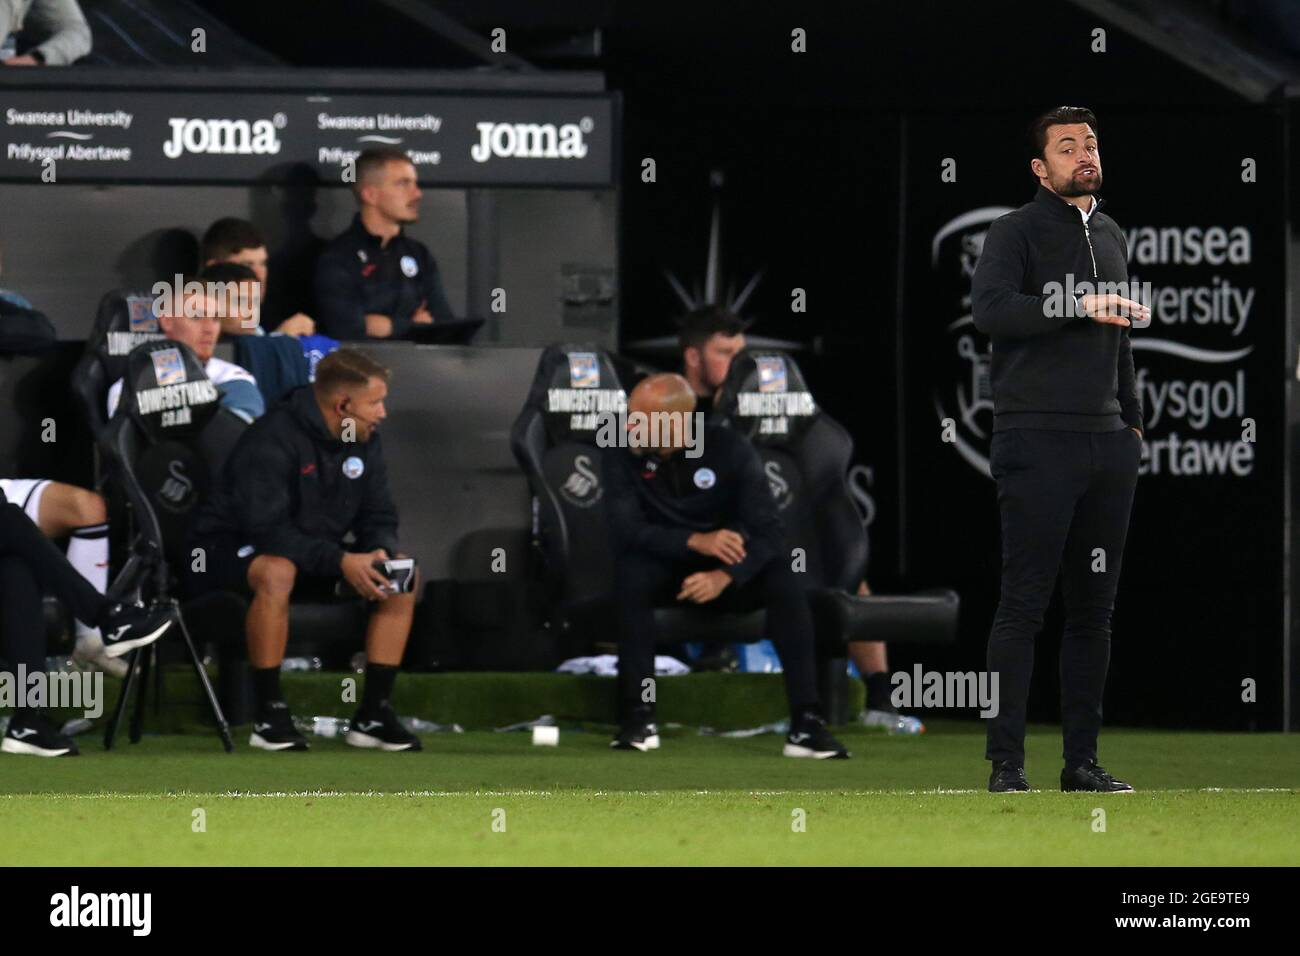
(1074, 188)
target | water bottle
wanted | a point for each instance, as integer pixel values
(77, 725)
(418, 725)
(300, 664)
(322, 726)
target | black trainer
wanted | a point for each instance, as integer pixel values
(273, 729)
(128, 626)
(639, 732)
(808, 737)
(1008, 778)
(1092, 779)
(381, 730)
(34, 734)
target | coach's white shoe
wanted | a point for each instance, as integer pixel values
(35, 735)
(637, 736)
(381, 729)
(809, 737)
(128, 626)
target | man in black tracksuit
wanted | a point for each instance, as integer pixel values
(1067, 438)
(374, 281)
(302, 478)
(702, 529)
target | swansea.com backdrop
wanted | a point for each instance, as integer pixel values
(1200, 607)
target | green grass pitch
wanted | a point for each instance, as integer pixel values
(485, 798)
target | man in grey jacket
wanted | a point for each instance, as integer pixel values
(57, 27)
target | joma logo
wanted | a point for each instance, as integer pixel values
(531, 141)
(223, 136)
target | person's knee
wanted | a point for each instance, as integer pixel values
(87, 507)
(272, 577)
(1089, 621)
(64, 508)
(636, 576)
(396, 604)
(777, 580)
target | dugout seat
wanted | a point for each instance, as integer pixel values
(554, 440)
(162, 448)
(806, 456)
(123, 321)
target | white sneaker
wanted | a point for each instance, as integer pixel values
(892, 722)
(89, 652)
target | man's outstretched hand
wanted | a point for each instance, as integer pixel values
(703, 586)
(724, 544)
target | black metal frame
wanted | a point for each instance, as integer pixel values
(147, 565)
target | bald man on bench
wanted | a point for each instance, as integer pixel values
(693, 521)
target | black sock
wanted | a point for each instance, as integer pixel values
(799, 711)
(878, 692)
(266, 686)
(379, 686)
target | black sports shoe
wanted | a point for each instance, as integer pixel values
(1007, 778)
(638, 731)
(1093, 779)
(808, 737)
(273, 729)
(380, 729)
(34, 734)
(128, 626)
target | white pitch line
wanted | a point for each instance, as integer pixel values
(299, 794)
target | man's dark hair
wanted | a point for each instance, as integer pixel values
(703, 324)
(1059, 116)
(225, 237)
(346, 367)
(226, 272)
(372, 160)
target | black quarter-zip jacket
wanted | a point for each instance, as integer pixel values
(358, 274)
(292, 489)
(655, 505)
(1057, 370)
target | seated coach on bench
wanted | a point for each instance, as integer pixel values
(701, 528)
(302, 478)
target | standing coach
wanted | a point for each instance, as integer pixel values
(1067, 437)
